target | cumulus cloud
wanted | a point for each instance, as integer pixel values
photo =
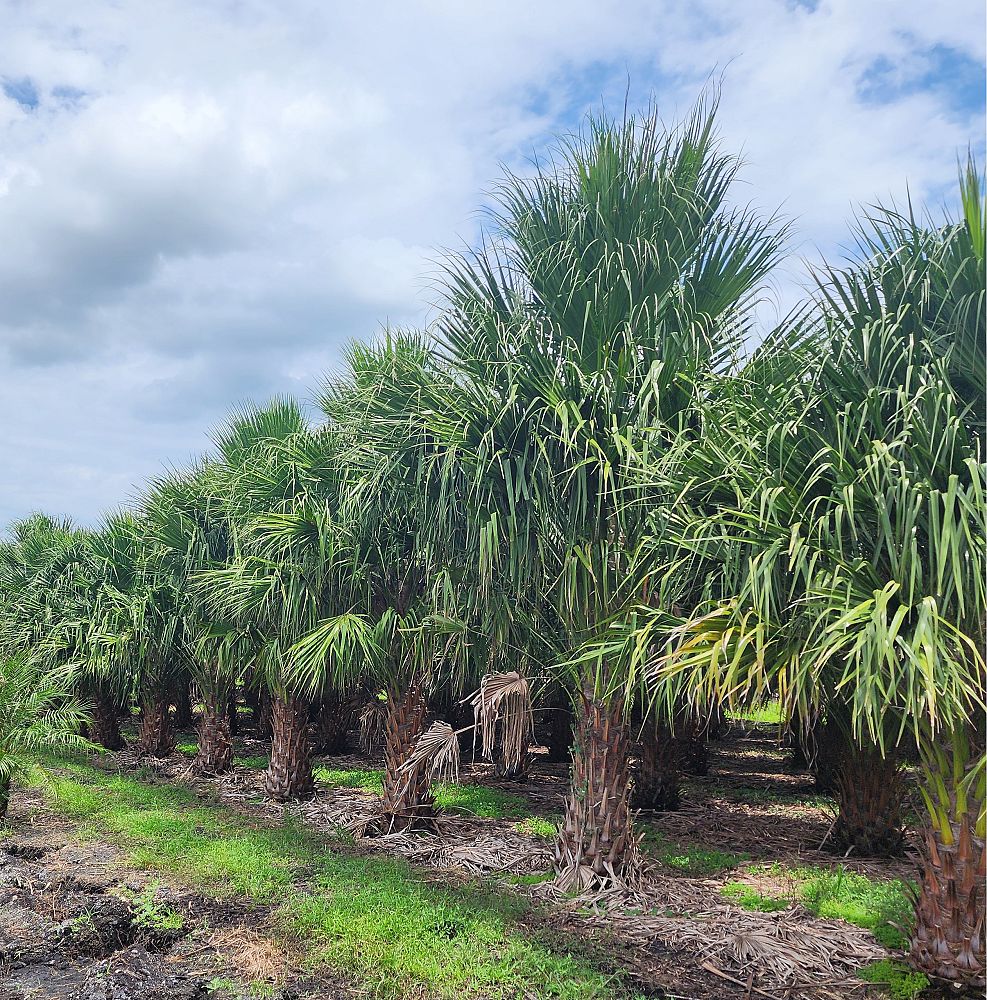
(202, 202)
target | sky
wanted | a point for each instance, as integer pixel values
(203, 201)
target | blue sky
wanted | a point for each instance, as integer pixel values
(202, 202)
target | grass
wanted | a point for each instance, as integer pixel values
(899, 982)
(770, 712)
(373, 918)
(690, 859)
(883, 907)
(749, 898)
(538, 826)
(489, 803)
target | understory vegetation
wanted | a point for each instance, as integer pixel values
(591, 523)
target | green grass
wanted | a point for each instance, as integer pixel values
(770, 712)
(749, 898)
(538, 826)
(374, 918)
(369, 781)
(899, 982)
(883, 907)
(477, 800)
(690, 859)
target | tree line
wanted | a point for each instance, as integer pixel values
(595, 485)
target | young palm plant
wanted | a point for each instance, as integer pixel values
(38, 712)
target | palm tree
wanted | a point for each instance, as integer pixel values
(37, 712)
(289, 587)
(847, 545)
(578, 339)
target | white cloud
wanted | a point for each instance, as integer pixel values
(209, 199)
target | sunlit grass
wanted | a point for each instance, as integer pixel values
(372, 917)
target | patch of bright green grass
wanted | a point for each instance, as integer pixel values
(898, 981)
(188, 748)
(538, 826)
(478, 800)
(375, 918)
(883, 907)
(770, 712)
(369, 781)
(256, 763)
(690, 859)
(750, 899)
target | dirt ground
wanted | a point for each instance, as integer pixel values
(74, 919)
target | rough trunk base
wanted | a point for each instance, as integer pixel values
(596, 847)
(950, 920)
(407, 802)
(215, 754)
(105, 730)
(657, 777)
(870, 792)
(289, 775)
(155, 737)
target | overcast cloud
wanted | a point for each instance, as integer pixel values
(201, 202)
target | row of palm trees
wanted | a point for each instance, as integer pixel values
(583, 477)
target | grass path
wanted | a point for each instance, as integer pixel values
(374, 918)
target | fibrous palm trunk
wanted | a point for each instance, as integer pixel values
(183, 705)
(657, 783)
(827, 742)
(215, 755)
(105, 730)
(289, 775)
(334, 717)
(693, 750)
(950, 920)
(154, 736)
(870, 792)
(407, 802)
(596, 845)
(560, 728)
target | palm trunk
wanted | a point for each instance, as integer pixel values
(335, 716)
(693, 749)
(4, 796)
(233, 713)
(510, 770)
(154, 736)
(105, 730)
(596, 846)
(560, 729)
(266, 714)
(407, 802)
(215, 754)
(949, 938)
(289, 775)
(828, 741)
(657, 783)
(870, 792)
(183, 705)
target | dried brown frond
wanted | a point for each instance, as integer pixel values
(373, 726)
(502, 707)
(438, 750)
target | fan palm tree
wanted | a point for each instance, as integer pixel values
(846, 546)
(574, 346)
